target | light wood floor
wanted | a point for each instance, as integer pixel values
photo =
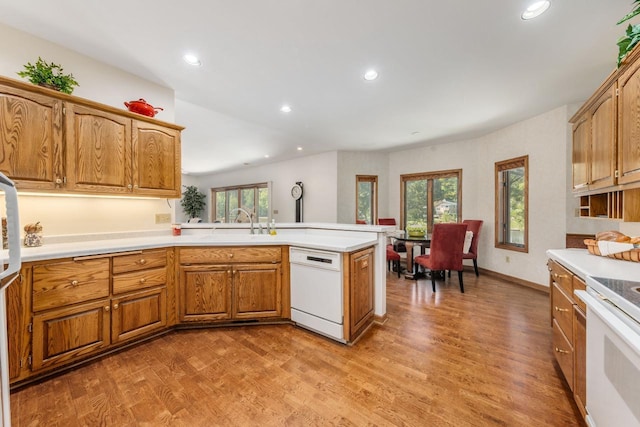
(482, 358)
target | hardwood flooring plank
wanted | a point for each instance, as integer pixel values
(482, 358)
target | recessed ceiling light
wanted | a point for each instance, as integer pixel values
(285, 109)
(192, 59)
(536, 9)
(371, 75)
(266, 156)
(299, 148)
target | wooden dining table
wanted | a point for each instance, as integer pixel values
(411, 241)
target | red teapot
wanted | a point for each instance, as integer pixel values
(141, 107)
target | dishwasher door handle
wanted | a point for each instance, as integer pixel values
(319, 259)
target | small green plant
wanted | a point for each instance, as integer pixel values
(50, 75)
(192, 201)
(631, 38)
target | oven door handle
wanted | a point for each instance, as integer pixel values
(605, 311)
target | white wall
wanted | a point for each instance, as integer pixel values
(351, 164)
(101, 83)
(318, 174)
(544, 140)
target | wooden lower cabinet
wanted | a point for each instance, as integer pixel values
(236, 283)
(568, 322)
(360, 286)
(205, 293)
(138, 313)
(257, 291)
(66, 333)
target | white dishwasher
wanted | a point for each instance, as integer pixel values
(316, 291)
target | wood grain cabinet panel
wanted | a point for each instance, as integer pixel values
(98, 150)
(62, 335)
(139, 261)
(128, 282)
(257, 291)
(236, 254)
(629, 125)
(137, 314)
(580, 360)
(563, 351)
(580, 153)
(68, 282)
(156, 160)
(602, 158)
(205, 293)
(360, 291)
(31, 139)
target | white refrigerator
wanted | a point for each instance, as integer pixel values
(9, 271)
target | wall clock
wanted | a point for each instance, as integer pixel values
(296, 193)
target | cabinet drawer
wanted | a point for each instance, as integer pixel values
(578, 284)
(564, 353)
(69, 282)
(562, 310)
(562, 277)
(230, 254)
(139, 261)
(139, 280)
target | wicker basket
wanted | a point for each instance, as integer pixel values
(632, 255)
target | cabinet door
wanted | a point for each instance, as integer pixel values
(205, 293)
(156, 160)
(580, 360)
(257, 291)
(31, 151)
(603, 141)
(629, 125)
(580, 162)
(360, 291)
(62, 335)
(18, 317)
(98, 151)
(138, 314)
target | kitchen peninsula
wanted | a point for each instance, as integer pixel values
(83, 296)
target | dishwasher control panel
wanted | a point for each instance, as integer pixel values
(315, 258)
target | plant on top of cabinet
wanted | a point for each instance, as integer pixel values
(627, 42)
(192, 201)
(49, 75)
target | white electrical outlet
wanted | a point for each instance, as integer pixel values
(163, 218)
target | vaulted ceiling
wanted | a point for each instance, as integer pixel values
(448, 70)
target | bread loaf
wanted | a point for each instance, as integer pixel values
(611, 236)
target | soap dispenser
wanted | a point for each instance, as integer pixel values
(272, 231)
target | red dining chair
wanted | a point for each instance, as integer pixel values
(447, 241)
(360, 221)
(386, 221)
(473, 225)
(393, 257)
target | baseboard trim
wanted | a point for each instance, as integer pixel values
(516, 280)
(381, 320)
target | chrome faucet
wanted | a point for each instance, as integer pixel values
(248, 216)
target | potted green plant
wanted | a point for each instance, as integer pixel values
(192, 201)
(49, 75)
(631, 38)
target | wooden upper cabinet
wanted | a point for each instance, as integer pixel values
(602, 159)
(98, 150)
(581, 144)
(156, 160)
(31, 152)
(52, 141)
(629, 125)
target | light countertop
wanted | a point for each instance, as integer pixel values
(584, 264)
(99, 245)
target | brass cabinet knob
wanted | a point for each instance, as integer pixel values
(74, 283)
(107, 308)
(115, 306)
(143, 261)
(562, 310)
(129, 186)
(231, 255)
(559, 350)
(143, 280)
